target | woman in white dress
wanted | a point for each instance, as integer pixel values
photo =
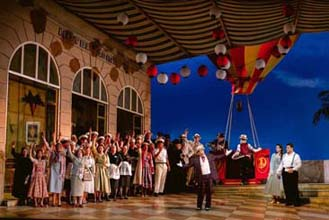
(89, 185)
(77, 183)
(274, 184)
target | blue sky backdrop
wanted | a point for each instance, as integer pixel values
(283, 104)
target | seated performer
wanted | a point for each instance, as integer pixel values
(219, 150)
(202, 170)
(244, 153)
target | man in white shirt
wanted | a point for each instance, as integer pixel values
(161, 167)
(203, 178)
(288, 168)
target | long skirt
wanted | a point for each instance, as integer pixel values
(56, 183)
(38, 187)
(77, 186)
(147, 178)
(274, 186)
(89, 186)
(102, 180)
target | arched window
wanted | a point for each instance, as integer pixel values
(88, 83)
(34, 62)
(32, 94)
(130, 101)
(130, 112)
(89, 102)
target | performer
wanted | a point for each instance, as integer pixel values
(161, 166)
(194, 145)
(274, 185)
(23, 171)
(219, 150)
(244, 155)
(202, 169)
(288, 168)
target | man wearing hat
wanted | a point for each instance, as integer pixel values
(203, 180)
(161, 166)
(219, 150)
(244, 154)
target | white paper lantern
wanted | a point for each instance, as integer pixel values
(185, 71)
(289, 28)
(141, 58)
(221, 74)
(162, 78)
(215, 12)
(260, 64)
(283, 50)
(220, 49)
(123, 18)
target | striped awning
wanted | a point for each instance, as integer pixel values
(169, 30)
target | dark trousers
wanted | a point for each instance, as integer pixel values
(290, 185)
(245, 168)
(114, 187)
(204, 188)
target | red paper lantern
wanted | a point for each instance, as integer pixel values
(285, 42)
(218, 34)
(152, 71)
(287, 10)
(203, 70)
(223, 61)
(174, 78)
(275, 52)
(132, 41)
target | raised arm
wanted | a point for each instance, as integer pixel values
(13, 151)
(30, 154)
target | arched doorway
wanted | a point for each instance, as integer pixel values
(130, 112)
(32, 98)
(89, 102)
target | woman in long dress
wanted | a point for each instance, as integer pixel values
(89, 185)
(38, 187)
(77, 183)
(148, 169)
(274, 184)
(57, 172)
(101, 176)
(125, 172)
(23, 170)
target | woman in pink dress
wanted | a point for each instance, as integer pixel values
(38, 188)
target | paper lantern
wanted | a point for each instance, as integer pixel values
(221, 74)
(215, 12)
(282, 50)
(220, 49)
(218, 34)
(203, 70)
(260, 64)
(174, 78)
(285, 42)
(185, 71)
(123, 18)
(131, 41)
(162, 78)
(289, 28)
(223, 62)
(152, 71)
(141, 58)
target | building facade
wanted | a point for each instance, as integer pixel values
(60, 74)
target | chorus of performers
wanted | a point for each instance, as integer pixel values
(97, 168)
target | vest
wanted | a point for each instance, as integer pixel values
(244, 149)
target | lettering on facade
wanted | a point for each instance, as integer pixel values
(84, 44)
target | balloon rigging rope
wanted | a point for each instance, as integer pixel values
(253, 125)
(229, 121)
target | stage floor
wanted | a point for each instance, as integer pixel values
(230, 207)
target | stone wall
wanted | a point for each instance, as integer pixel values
(16, 28)
(312, 171)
